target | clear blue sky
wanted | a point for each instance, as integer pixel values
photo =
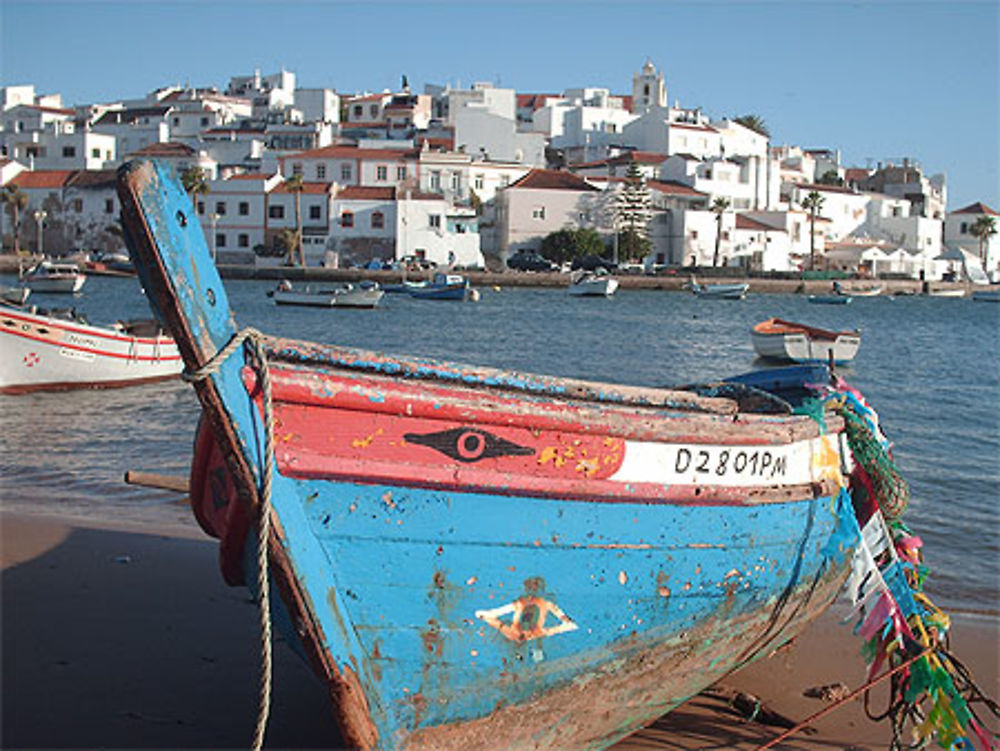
(878, 80)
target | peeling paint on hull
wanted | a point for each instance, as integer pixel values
(459, 550)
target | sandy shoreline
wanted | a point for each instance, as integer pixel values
(120, 638)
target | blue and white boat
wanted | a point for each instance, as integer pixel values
(471, 557)
(443, 286)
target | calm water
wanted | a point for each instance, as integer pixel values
(929, 365)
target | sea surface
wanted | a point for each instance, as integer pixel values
(930, 366)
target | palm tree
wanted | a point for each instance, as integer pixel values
(753, 122)
(17, 201)
(195, 182)
(294, 185)
(813, 202)
(719, 207)
(983, 229)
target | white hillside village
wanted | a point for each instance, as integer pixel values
(469, 177)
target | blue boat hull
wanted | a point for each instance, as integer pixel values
(473, 558)
(664, 600)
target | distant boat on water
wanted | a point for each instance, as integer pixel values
(344, 296)
(592, 284)
(986, 295)
(733, 291)
(946, 292)
(443, 286)
(830, 299)
(857, 290)
(42, 350)
(50, 277)
(778, 339)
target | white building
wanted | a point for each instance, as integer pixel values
(760, 246)
(354, 165)
(486, 135)
(134, 128)
(846, 209)
(957, 226)
(318, 105)
(316, 213)
(233, 215)
(542, 202)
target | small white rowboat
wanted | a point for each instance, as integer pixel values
(777, 339)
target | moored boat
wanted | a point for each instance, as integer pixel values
(986, 295)
(344, 296)
(945, 292)
(857, 290)
(592, 284)
(14, 295)
(443, 286)
(778, 339)
(472, 556)
(734, 291)
(830, 299)
(50, 277)
(54, 350)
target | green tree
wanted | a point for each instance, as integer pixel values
(568, 244)
(753, 122)
(294, 185)
(195, 182)
(719, 207)
(632, 212)
(16, 201)
(983, 229)
(812, 203)
(285, 243)
(830, 177)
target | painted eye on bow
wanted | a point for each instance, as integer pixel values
(468, 444)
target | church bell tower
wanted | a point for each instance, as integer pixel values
(649, 90)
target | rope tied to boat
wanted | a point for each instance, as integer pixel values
(255, 349)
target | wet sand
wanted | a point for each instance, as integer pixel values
(118, 638)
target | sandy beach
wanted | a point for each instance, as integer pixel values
(116, 637)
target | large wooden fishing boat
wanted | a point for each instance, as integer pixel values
(474, 558)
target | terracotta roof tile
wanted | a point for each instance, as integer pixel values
(692, 126)
(670, 187)
(366, 193)
(545, 179)
(43, 179)
(166, 149)
(50, 110)
(827, 188)
(748, 222)
(977, 208)
(310, 188)
(353, 152)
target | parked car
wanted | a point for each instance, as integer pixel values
(529, 261)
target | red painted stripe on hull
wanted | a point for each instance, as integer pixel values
(325, 390)
(439, 454)
(69, 385)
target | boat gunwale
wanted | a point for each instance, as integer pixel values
(307, 384)
(782, 327)
(306, 355)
